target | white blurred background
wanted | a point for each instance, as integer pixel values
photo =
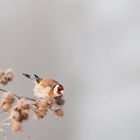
(93, 48)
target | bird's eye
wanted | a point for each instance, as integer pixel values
(60, 88)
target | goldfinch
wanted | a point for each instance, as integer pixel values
(46, 87)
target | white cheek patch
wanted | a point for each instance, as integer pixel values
(55, 90)
(40, 95)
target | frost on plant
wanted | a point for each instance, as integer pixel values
(47, 97)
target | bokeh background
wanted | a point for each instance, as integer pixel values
(93, 48)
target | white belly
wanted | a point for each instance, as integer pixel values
(41, 92)
(40, 95)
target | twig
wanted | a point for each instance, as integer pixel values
(1, 122)
(51, 108)
(19, 97)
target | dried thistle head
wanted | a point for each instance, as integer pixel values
(19, 114)
(59, 113)
(9, 74)
(16, 115)
(21, 111)
(8, 96)
(16, 127)
(24, 105)
(25, 114)
(59, 100)
(6, 76)
(5, 106)
(7, 101)
(40, 108)
(50, 101)
(1, 73)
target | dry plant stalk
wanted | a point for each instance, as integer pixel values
(18, 107)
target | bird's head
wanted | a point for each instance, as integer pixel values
(58, 90)
(48, 87)
(55, 89)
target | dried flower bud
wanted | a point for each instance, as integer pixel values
(59, 113)
(9, 74)
(50, 101)
(7, 101)
(25, 105)
(5, 107)
(9, 97)
(6, 76)
(40, 114)
(1, 73)
(41, 108)
(16, 127)
(20, 112)
(3, 80)
(15, 115)
(59, 100)
(25, 114)
(43, 103)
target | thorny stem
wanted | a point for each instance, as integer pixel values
(24, 97)
(51, 108)
(19, 97)
(1, 122)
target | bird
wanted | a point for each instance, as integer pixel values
(45, 87)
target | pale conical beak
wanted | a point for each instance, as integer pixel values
(62, 92)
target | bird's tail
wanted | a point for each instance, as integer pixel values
(36, 79)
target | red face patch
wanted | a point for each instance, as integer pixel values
(60, 88)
